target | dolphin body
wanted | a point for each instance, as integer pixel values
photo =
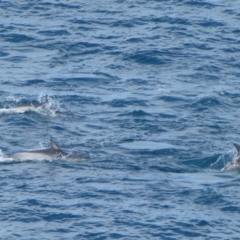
(53, 152)
(235, 164)
(26, 107)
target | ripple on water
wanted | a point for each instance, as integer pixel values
(154, 96)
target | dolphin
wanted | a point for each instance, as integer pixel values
(26, 107)
(235, 164)
(53, 152)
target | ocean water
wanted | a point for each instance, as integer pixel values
(148, 90)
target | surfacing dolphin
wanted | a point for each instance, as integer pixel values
(53, 152)
(235, 164)
(26, 107)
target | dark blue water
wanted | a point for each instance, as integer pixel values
(152, 88)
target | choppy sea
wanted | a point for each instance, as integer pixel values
(148, 90)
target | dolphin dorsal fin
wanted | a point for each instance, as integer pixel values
(237, 147)
(54, 145)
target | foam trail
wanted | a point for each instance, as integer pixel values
(4, 158)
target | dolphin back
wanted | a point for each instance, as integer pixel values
(53, 151)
